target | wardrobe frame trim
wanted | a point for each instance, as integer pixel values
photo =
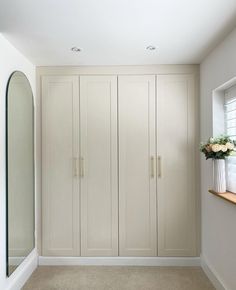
(161, 69)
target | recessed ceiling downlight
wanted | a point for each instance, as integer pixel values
(76, 49)
(151, 47)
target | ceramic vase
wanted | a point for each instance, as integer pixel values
(219, 176)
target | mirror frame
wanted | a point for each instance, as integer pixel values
(6, 168)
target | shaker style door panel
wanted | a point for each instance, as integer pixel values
(99, 176)
(176, 165)
(137, 181)
(60, 181)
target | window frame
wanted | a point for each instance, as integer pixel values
(229, 99)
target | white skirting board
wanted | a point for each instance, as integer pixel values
(212, 275)
(119, 261)
(23, 271)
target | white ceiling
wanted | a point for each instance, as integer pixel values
(116, 32)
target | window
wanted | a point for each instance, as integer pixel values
(230, 129)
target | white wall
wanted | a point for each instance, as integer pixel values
(218, 216)
(11, 60)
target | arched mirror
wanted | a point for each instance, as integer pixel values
(19, 170)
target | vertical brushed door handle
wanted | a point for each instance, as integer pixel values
(152, 167)
(76, 170)
(81, 167)
(159, 167)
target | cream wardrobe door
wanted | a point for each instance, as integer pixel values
(99, 188)
(137, 182)
(176, 165)
(60, 180)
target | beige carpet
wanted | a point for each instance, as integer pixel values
(118, 278)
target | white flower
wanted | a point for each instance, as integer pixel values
(216, 147)
(229, 145)
(208, 148)
(224, 148)
(211, 140)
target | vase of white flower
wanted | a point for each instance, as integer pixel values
(219, 149)
(219, 176)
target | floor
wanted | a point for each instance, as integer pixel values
(118, 278)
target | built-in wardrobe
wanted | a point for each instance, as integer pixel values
(119, 164)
